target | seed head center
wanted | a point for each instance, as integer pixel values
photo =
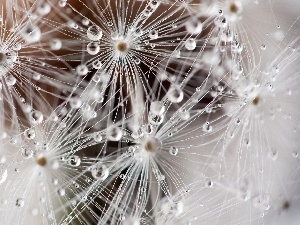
(255, 100)
(122, 46)
(233, 8)
(41, 161)
(151, 145)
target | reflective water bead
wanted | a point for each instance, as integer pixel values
(97, 137)
(97, 64)
(85, 21)
(74, 160)
(207, 127)
(62, 3)
(36, 76)
(27, 153)
(100, 172)
(261, 202)
(190, 44)
(273, 154)
(193, 26)
(20, 202)
(43, 8)
(173, 150)
(155, 119)
(10, 80)
(75, 102)
(82, 70)
(36, 117)
(94, 33)
(209, 183)
(153, 34)
(31, 33)
(263, 47)
(55, 44)
(114, 133)
(154, 4)
(175, 94)
(157, 108)
(29, 134)
(93, 48)
(61, 192)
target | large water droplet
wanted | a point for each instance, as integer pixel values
(94, 33)
(100, 172)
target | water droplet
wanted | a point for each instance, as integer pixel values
(55, 44)
(94, 33)
(207, 128)
(82, 70)
(29, 134)
(74, 160)
(157, 108)
(175, 94)
(193, 26)
(295, 154)
(36, 117)
(31, 33)
(273, 154)
(263, 47)
(97, 65)
(75, 102)
(173, 150)
(93, 48)
(261, 202)
(209, 183)
(43, 8)
(61, 192)
(114, 133)
(10, 80)
(62, 3)
(100, 172)
(153, 34)
(97, 137)
(190, 44)
(154, 4)
(27, 153)
(20, 202)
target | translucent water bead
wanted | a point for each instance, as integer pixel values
(193, 26)
(20, 202)
(94, 33)
(114, 133)
(93, 48)
(74, 160)
(55, 44)
(190, 44)
(157, 108)
(100, 171)
(43, 8)
(31, 33)
(175, 94)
